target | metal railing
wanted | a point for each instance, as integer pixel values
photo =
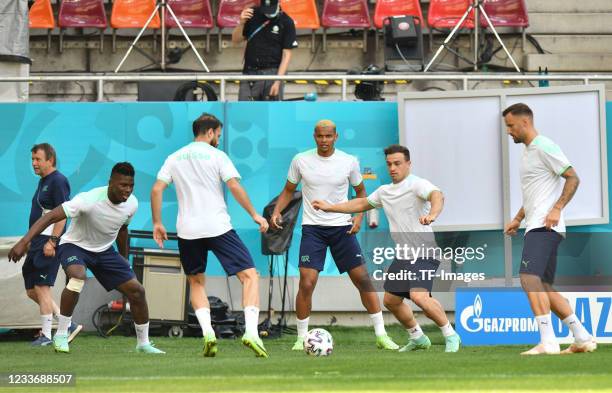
(344, 79)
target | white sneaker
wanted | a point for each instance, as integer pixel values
(544, 349)
(589, 345)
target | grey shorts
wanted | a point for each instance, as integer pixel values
(259, 90)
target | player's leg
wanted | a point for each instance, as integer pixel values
(539, 245)
(348, 258)
(434, 311)
(236, 260)
(113, 272)
(402, 312)
(583, 340)
(76, 275)
(313, 247)
(303, 304)
(369, 298)
(193, 255)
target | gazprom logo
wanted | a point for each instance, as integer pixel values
(472, 321)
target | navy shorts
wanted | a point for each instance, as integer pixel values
(39, 269)
(540, 254)
(344, 247)
(228, 248)
(419, 274)
(110, 268)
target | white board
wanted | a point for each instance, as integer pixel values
(572, 120)
(454, 142)
(458, 141)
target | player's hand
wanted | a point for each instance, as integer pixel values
(159, 234)
(276, 220)
(275, 89)
(426, 220)
(49, 249)
(321, 205)
(553, 217)
(356, 224)
(512, 228)
(18, 251)
(262, 222)
(246, 14)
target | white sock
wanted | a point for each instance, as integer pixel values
(415, 332)
(142, 333)
(46, 320)
(203, 315)
(578, 330)
(547, 335)
(379, 324)
(251, 319)
(447, 330)
(302, 327)
(63, 323)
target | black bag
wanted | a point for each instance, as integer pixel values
(276, 242)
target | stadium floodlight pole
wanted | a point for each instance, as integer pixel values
(163, 5)
(476, 5)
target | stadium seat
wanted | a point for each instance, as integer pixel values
(387, 8)
(305, 15)
(445, 14)
(192, 14)
(228, 15)
(345, 13)
(506, 13)
(82, 14)
(41, 17)
(133, 14)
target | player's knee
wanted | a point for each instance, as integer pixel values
(137, 294)
(32, 294)
(75, 284)
(248, 275)
(307, 286)
(390, 304)
(530, 282)
(419, 298)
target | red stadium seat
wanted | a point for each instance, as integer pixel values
(304, 14)
(192, 14)
(41, 17)
(506, 13)
(345, 13)
(445, 14)
(228, 15)
(133, 14)
(511, 13)
(82, 14)
(387, 8)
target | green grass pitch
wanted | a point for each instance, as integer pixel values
(111, 365)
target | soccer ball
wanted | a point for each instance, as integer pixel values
(318, 342)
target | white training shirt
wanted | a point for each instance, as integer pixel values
(198, 171)
(404, 203)
(96, 220)
(324, 178)
(542, 165)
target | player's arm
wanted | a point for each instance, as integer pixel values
(514, 225)
(569, 189)
(49, 247)
(122, 241)
(159, 231)
(360, 192)
(281, 203)
(243, 199)
(436, 199)
(357, 205)
(19, 249)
